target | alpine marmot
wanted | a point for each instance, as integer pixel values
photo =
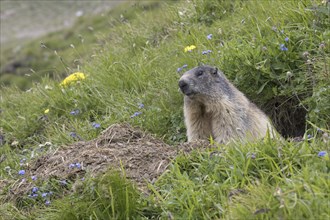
(213, 107)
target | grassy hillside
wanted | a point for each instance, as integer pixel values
(24, 62)
(276, 52)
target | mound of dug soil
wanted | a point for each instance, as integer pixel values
(142, 156)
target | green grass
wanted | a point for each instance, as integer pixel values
(284, 179)
(136, 62)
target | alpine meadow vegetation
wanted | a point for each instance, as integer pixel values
(127, 70)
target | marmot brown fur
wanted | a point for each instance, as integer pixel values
(213, 107)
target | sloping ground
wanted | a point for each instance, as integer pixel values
(44, 18)
(142, 156)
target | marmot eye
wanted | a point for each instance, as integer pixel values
(199, 73)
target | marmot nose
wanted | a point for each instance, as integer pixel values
(183, 85)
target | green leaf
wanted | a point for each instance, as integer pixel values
(262, 87)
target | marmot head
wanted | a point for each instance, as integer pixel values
(204, 81)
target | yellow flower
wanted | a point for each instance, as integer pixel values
(73, 78)
(46, 111)
(189, 48)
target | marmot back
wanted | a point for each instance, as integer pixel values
(213, 107)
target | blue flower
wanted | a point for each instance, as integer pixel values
(181, 68)
(319, 130)
(72, 165)
(33, 177)
(21, 172)
(322, 153)
(96, 125)
(136, 114)
(75, 112)
(73, 134)
(33, 195)
(44, 194)
(22, 161)
(252, 155)
(47, 202)
(206, 52)
(209, 36)
(283, 48)
(35, 189)
(309, 136)
(286, 39)
(78, 165)
(141, 105)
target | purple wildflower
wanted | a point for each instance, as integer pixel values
(72, 165)
(21, 172)
(33, 177)
(73, 134)
(35, 189)
(33, 195)
(322, 153)
(96, 125)
(78, 165)
(136, 114)
(319, 130)
(251, 155)
(44, 194)
(283, 47)
(75, 112)
(181, 68)
(141, 105)
(209, 36)
(206, 52)
(286, 39)
(47, 202)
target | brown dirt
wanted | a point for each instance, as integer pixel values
(143, 157)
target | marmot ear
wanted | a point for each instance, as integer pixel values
(215, 71)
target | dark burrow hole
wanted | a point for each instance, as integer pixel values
(288, 117)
